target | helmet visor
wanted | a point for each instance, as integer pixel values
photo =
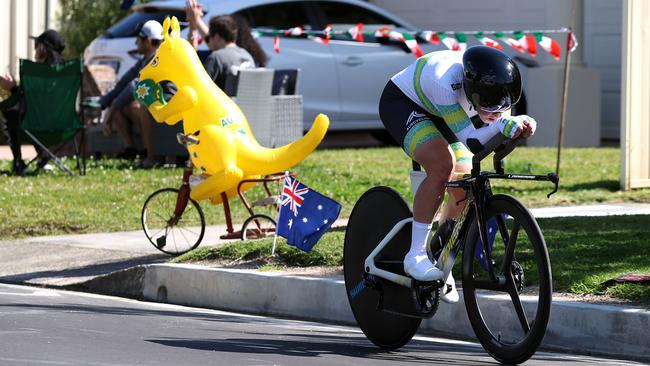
(494, 106)
(492, 100)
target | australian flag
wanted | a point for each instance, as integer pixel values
(305, 214)
(492, 228)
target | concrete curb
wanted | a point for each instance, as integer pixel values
(615, 331)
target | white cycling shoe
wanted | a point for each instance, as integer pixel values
(448, 292)
(420, 267)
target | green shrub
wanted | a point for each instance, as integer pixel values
(81, 21)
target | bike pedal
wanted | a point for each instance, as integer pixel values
(161, 242)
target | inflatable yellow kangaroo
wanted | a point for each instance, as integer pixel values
(226, 150)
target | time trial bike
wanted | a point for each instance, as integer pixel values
(505, 260)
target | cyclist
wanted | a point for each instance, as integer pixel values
(445, 89)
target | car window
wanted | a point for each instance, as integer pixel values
(129, 26)
(343, 16)
(277, 16)
(342, 13)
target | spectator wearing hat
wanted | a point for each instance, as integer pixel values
(123, 108)
(48, 49)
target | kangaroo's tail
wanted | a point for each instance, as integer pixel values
(255, 159)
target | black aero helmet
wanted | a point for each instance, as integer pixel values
(491, 79)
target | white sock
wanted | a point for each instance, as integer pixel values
(419, 236)
(416, 262)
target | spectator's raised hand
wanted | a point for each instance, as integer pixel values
(7, 82)
(193, 12)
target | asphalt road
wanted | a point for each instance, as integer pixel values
(50, 327)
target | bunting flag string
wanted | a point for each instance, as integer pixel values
(523, 41)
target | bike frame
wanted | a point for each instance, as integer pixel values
(478, 189)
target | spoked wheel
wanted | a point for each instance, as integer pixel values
(257, 227)
(167, 232)
(509, 316)
(384, 311)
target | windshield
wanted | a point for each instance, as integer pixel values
(129, 26)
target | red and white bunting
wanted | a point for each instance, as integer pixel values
(412, 45)
(355, 32)
(527, 42)
(510, 42)
(295, 32)
(573, 42)
(522, 41)
(431, 37)
(487, 41)
(321, 40)
(549, 44)
(450, 42)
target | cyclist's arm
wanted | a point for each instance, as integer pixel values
(510, 126)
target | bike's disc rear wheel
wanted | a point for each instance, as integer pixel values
(374, 214)
(168, 234)
(509, 320)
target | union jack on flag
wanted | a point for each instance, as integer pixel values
(292, 195)
(303, 228)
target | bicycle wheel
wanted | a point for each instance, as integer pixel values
(166, 232)
(509, 318)
(385, 314)
(257, 227)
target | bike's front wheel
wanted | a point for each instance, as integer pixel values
(168, 232)
(510, 311)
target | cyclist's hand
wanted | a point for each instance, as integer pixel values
(528, 126)
(518, 126)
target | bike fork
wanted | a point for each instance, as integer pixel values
(183, 195)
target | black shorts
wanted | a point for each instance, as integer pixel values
(408, 123)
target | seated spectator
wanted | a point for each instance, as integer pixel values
(221, 36)
(123, 108)
(48, 49)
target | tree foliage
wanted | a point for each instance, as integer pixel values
(81, 21)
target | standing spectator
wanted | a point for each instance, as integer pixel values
(246, 41)
(124, 109)
(48, 48)
(221, 37)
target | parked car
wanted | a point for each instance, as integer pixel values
(343, 79)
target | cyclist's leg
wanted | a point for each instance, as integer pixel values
(451, 210)
(434, 156)
(410, 125)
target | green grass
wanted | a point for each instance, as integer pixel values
(585, 252)
(110, 196)
(327, 252)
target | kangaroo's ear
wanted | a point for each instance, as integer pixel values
(176, 28)
(166, 25)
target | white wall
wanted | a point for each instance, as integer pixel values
(635, 109)
(22, 18)
(602, 50)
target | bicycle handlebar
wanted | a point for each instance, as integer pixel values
(501, 150)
